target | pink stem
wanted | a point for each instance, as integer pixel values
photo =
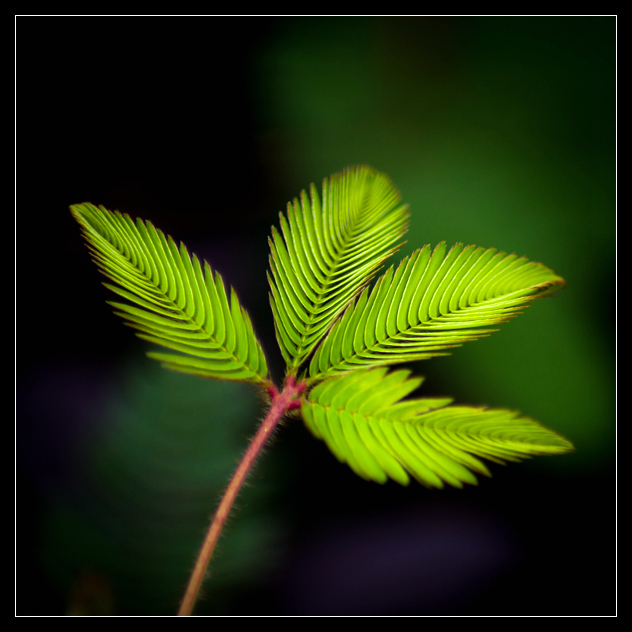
(281, 403)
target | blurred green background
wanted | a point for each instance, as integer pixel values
(499, 131)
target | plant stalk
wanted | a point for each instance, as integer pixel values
(281, 403)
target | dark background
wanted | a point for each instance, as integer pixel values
(499, 131)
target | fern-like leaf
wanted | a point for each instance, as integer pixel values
(363, 421)
(175, 303)
(326, 253)
(429, 304)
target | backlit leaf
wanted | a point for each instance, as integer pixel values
(365, 423)
(172, 302)
(326, 251)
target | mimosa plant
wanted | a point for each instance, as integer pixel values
(337, 335)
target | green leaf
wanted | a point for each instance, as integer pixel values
(173, 302)
(364, 422)
(430, 304)
(327, 252)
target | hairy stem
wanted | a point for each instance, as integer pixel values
(281, 403)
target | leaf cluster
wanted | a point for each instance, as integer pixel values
(337, 333)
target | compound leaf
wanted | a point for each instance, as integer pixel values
(327, 252)
(364, 422)
(431, 303)
(174, 302)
